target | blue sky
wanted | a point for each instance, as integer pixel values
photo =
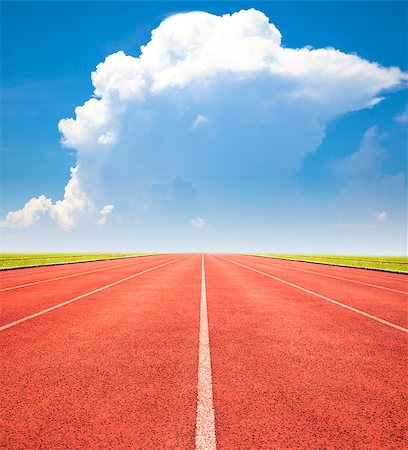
(177, 195)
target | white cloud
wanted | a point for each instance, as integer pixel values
(382, 216)
(29, 214)
(107, 138)
(63, 212)
(198, 223)
(268, 107)
(201, 49)
(200, 119)
(92, 121)
(105, 211)
(75, 203)
(403, 117)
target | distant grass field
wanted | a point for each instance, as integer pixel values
(11, 260)
(394, 263)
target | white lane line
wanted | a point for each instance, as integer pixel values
(358, 311)
(40, 313)
(19, 286)
(388, 275)
(205, 424)
(341, 278)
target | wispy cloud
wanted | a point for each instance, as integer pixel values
(366, 161)
(403, 117)
(382, 216)
(199, 120)
(106, 210)
(198, 223)
(368, 191)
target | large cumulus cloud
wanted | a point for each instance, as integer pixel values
(213, 110)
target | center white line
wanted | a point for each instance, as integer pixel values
(40, 313)
(343, 305)
(205, 424)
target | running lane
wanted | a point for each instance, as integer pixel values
(17, 277)
(27, 299)
(290, 370)
(117, 369)
(390, 279)
(370, 296)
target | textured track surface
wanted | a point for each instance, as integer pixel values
(116, 369)
(293, 371)
(119, 368)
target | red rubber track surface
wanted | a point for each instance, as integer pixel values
(118, 368)
(21, 302)
(293, 371)
(32, 274)
(115, 369)
(391, 279)
(386, 304)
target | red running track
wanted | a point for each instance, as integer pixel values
(118, 367)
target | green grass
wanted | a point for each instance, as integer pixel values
(9, 260)
(394, 263)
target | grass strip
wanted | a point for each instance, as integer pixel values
(16, 260)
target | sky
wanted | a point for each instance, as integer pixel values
(204, 126)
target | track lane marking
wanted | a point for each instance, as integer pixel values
(19, 286)
(205, 423)
(44, 311)
(385, 274)
(343, 305)
(341, 278)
